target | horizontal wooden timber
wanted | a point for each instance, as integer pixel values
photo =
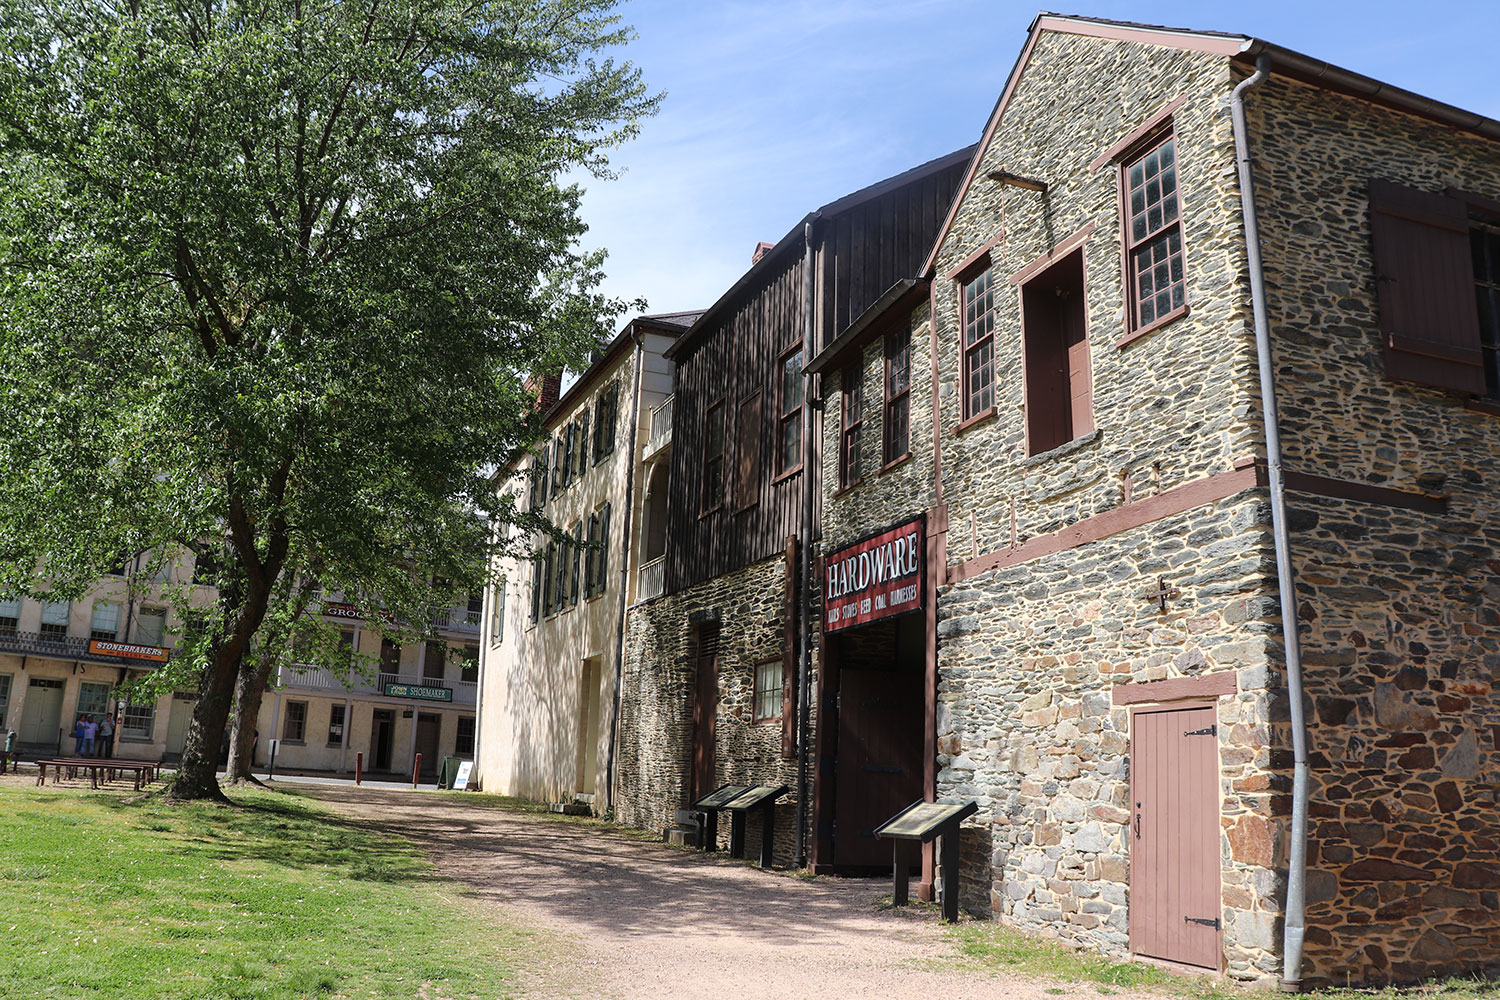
(1246, 475)
(1214, 685)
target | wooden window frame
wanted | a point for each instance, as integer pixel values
(606, 416)
(893, 399)
(581, 462)
(713, 462)
(756, 690)
(574, 560)
(538, 588)
(972, 414)
(851, 403)
(793, 414)
(1165, 131)
(747, 435)
(555, 487)
(1483, 221)
(601, 558)
(301, 738)
(592, 537)
(343, 725)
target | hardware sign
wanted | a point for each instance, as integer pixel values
(878, 577)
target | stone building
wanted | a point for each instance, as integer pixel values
(1063, 410)
(550, 668)
(717, 665)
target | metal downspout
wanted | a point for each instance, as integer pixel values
(614, 724)
(1296, 882)
(804, 573)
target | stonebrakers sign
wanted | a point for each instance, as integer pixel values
(877, 577)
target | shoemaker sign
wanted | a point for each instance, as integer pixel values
(875, 578)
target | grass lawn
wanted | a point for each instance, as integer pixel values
(106, 895)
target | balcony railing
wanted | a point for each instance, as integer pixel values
(312, 678)
(62, 647)
(457, 620)
(659, 430)
(652, 579)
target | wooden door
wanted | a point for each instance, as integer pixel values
(382, 737)
(428, 728)
(705, 713)
(41, 716)
(1174, 838)
(178, 718)
(586, 758)
(879, 767)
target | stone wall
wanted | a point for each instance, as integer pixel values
(1400, 628)
(1028, 658)
(656, 714)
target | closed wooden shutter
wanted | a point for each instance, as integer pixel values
(789, 615)
(1429, 323)
(749, 434)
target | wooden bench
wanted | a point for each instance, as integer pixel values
(141, 771)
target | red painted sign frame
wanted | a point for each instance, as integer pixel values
(880, 576)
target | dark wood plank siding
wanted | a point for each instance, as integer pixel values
(860, 252)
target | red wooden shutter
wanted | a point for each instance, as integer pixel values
(1429, 323)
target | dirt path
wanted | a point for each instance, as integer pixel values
(640, 920)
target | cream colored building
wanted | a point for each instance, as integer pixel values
(63, 659)
(550, 666)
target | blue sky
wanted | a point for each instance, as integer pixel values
(775, 107)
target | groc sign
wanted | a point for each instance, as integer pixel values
(877, 577)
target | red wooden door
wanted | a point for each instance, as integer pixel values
(1174, 838)
(879, 770)
(705, 713)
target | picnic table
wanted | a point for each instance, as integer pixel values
(142, 771)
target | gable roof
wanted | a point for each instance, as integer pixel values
(792, 241)
(1240, 48)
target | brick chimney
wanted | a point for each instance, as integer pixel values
(761, 249)
(547, 389)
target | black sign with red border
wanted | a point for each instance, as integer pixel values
(879, 576)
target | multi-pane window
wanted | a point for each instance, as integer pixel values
(206, 569)
(1153, 234)
(768, 690)
(434, 660)
(138, 719)
(713, 457)
(4, 698)
(93, 700)
(10, 615)
(789, 427)
(55, 615)
(979, 343)
(151, 626)
(1484, 240)
(559, 475)
(606, 415)
(464, 743)
(294, 729)
(336, 725)
(475, 610)
(105, 623)
(852, 417)
(897, 422)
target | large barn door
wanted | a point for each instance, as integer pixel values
(1174, 836)
(879, 770)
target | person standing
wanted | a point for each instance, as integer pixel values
(78, 736)
(106, 736)
(90, 730)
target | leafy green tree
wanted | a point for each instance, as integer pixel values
(273, 277)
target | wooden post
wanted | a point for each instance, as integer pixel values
(737, 833)
(416, 769)
(899, 894)
(767, 832)
(950, 875)
(359, 766)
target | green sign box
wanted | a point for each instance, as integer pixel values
(418, 693)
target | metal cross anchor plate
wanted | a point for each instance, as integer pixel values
(1162, 592)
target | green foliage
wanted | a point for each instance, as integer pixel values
(273, 278)
(108, 897)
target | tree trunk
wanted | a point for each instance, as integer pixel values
(196, 775)
(250, 687)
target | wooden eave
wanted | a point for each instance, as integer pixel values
(595, 373)
(792, 241)
(901, 297)
(1239, 48)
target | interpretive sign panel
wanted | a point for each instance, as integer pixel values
(721, 796)
(925, 820)
(755, 796)
(417, 692)
(877, 577)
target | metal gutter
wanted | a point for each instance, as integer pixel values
(614, 724)
(804, 572)
(1296, 882)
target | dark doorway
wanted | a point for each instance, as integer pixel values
(428, 729)
(878, 767)
(705, 711)
(1059, 391)
(382, 736)
(1174, 844)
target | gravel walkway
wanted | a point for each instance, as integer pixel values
(641, 920)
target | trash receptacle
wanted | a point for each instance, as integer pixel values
(448, 772)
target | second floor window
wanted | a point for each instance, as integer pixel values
(978, 306)
(789, 427)
(897, 420)
(151, 626)
(606, 415)
(55, 615)
(1156, 285)
(851, 410)
(105, 624)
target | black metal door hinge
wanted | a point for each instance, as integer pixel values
(1205, 921)
(1210, 731)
